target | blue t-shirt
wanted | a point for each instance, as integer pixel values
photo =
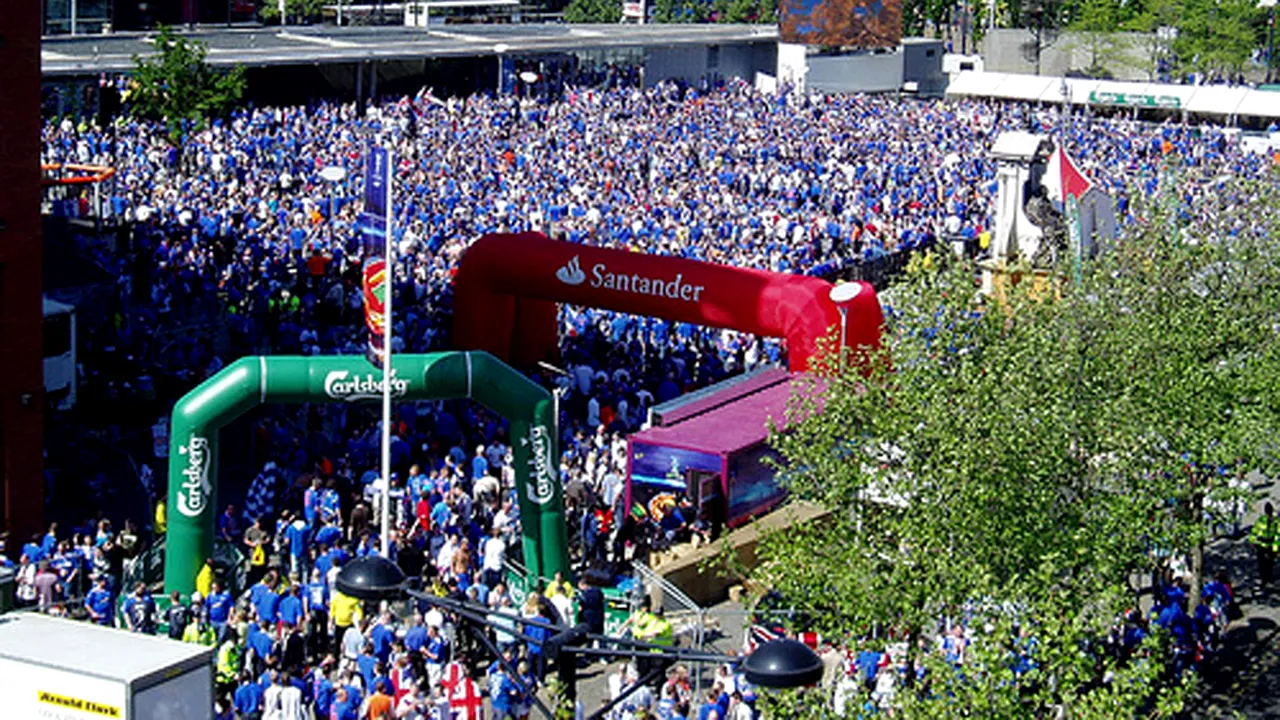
(291, 609)
(344, 710)
(435, 650)
(365, 664)
(220, 605)
(382, 637)
(415, 638)
(318, 596)
(248, 698)
(99, 601)
(259, 642)
(267, 606)
(328, 535)
(296, 534)
(323, 692)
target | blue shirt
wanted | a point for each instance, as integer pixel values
(220, 605)
(291, 609)
(365, 665)
(317, 596)
(328, 535)
(415, 638)
(382, 637)
(344, 710)
(296, 534)
(99, 601)
(34, 552)
(311, 504)
(267, 606)
(259, 642)
(507, 696)
(479, 467)
(440, 515)
(323, 691)
(248, 698)
(435, 650)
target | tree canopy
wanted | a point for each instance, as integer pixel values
(177, 86)
(1014, 465)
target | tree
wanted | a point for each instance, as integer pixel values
(299, 11)
(1157, 21)
(1044, 19)
(593, 11)
(1217, 37)
(1019, 463)
(1097, 23)
(178, 87)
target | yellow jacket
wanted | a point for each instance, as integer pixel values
(204, 580)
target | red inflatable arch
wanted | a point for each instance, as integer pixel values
(507, 287)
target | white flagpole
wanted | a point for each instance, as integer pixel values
(389, 257)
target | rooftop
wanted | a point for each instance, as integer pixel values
(735, 426)
(80, 647)
(266, 46)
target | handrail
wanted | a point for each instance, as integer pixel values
(97, 173)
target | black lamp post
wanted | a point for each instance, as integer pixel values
(775, 664)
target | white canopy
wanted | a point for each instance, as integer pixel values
(1221, 100)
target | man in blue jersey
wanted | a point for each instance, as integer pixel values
(98, 602)
(219, 604)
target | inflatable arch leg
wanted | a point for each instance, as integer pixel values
(254, 381)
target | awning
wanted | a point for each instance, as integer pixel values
(1216, 99)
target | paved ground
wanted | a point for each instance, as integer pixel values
(1245, 680)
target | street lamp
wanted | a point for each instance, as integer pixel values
(1271, 34)
(842, 295)
(776, 664)
(500, 49)
(333, 175)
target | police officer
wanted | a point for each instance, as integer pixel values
(1266, 537)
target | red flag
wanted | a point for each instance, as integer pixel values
(1063, 179)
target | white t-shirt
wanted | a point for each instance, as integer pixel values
(494, 550)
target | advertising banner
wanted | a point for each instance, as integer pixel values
(540, 272)
(862, 24)
(252, 381)
(375, 226)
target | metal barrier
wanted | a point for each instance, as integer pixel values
(686, 616)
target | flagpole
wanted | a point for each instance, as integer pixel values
(389, 291)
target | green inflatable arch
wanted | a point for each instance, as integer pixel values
(253, 381)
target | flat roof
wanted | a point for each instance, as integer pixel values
(682, 408)
(731, 427)
(82, 647)
(270, 46)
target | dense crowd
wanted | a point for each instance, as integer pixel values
(236, 230)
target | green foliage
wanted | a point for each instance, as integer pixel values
(917, 13)
(593, 11)
(1152, 18)
(299, 11)
(1022, 461)
(178, 87)
(1096, 22)
(1217, 36)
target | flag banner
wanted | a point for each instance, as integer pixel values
(373, 225)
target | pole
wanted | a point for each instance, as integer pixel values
(74, 8)
(388, 249)
(844, 327)
(1271, 43)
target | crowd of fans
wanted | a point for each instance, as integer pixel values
(235, 230)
